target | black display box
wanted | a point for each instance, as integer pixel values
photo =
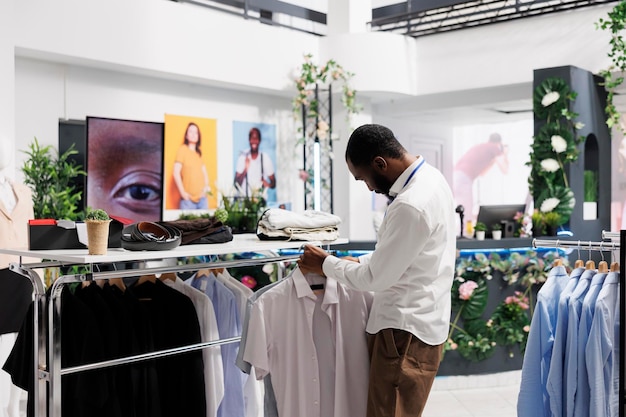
(62, 234)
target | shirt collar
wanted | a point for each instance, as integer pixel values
(400, 182)
(303, 289)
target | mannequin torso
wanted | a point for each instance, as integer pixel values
(7, 195)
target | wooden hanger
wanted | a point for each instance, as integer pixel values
(603, 266)
(590, 264)
(205, 272)
(146, 278)
(615, 267)
(168, 276)
(558, 262)
(217, 271)
(118, 282)
(579, 263)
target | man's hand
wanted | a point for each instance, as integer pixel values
(312, 259)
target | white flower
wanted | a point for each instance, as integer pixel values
(268, 269)
(579, 125)
(322, 129)
(549, 204)
(558, 144)
(550, 98)
(550, 165)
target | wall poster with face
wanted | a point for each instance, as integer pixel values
(124, 167)
(190, 163)
(254, 160)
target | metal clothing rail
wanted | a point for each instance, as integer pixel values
(149, 355)
(579, 244)
(55, 371)
(47, 322)
(613, 246)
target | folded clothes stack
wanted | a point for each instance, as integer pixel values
(309, 225)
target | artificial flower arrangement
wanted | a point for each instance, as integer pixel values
(475, 336)
(554, 146)
(315, 112)
(312, 74)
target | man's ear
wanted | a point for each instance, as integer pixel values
(380, 163)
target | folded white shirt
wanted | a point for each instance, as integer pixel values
(277, 218)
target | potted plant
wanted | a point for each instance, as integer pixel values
(590, 204)
(480, 229)
(243, 212)
(50, 178)
(496, 231)
(552, 220)
(97, 222)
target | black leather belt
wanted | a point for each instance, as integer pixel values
(150, 236)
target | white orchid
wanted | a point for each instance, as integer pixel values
(558, 143)
(550, 98)
(549, 204)
(550, 165)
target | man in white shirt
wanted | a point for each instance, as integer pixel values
(410, 271)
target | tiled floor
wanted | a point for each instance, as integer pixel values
(474, 396)
(492, 395)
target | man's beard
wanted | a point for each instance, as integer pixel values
(381, 184)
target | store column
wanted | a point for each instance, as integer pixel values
(348, 16)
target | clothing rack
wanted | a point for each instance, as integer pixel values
(612, 246)
(47, 358)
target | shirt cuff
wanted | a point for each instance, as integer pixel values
(328, 265)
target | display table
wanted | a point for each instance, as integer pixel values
(246, 242)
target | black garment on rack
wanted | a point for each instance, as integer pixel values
(15, 297)
(174, 323)
(103, 317)
(144, 318)
(19, 364)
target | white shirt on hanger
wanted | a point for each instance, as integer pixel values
(280, 342)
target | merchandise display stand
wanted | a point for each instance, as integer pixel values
(47, 321)
(616, 240)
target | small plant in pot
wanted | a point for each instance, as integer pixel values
(480, 229)
(97, 222)
(496, 231)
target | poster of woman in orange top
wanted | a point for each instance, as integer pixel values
(190, 163)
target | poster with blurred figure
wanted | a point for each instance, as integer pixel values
(489, 165)
(190, 163)
(254, 156)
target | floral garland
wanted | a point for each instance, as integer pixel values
(555, 145)
(310, 76)
(476, 338)
(615, 23)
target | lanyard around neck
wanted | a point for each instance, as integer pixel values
(413, 173)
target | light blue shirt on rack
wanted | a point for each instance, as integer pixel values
(570, 367)
(532, 399)
(603, 352)
(554, 384)
(228, 325)
(581, 399)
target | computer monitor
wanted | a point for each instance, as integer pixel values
(491, 215)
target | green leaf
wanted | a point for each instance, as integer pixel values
(474, 307)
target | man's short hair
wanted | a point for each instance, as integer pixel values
(372, 140)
